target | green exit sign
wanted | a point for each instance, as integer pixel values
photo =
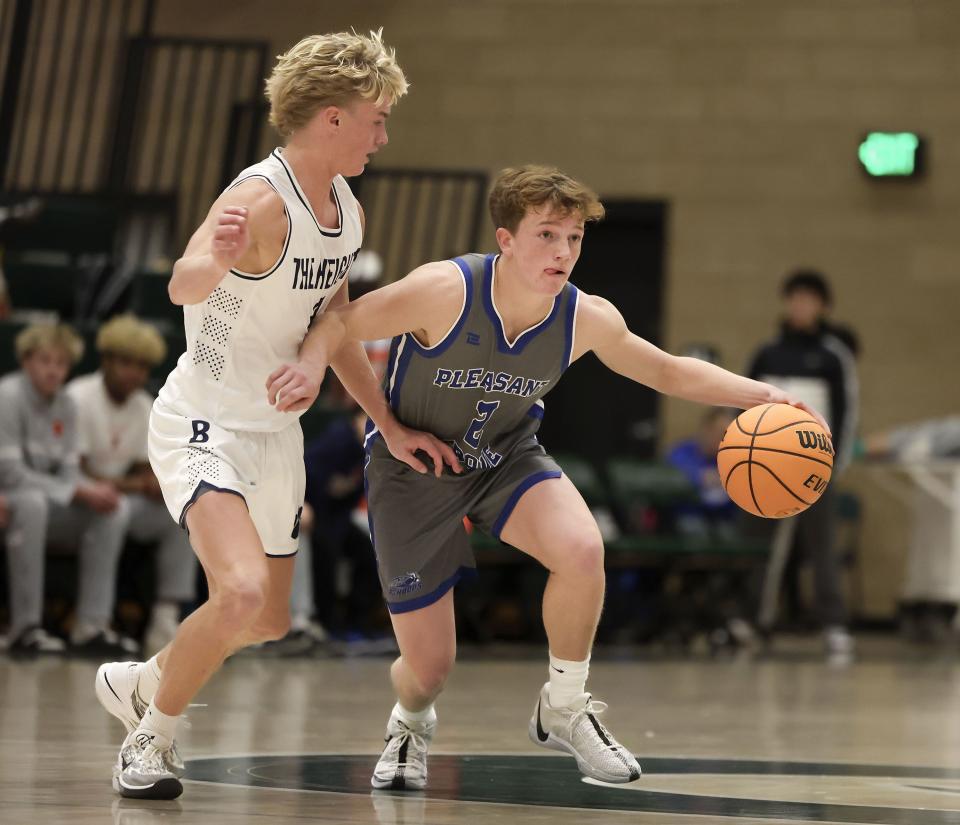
(892, 154)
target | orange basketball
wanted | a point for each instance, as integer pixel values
(775, 460)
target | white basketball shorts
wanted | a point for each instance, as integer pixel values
(191, 455)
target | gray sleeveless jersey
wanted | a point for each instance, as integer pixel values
(475, 389)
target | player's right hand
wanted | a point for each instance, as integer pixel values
(231, 238)
(404, 444)
(294, 387)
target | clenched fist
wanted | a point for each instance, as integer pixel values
(231, 238)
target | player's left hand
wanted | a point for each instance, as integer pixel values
(404, 443)
(294, 387)
(794, 402)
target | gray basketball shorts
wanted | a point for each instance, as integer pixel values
(416, 521)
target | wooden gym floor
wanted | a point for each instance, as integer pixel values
(787, 738)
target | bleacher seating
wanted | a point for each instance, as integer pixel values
(9, 330)
(46, 280)
(150, 300)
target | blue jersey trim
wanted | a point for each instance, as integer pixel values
(536, 411)
(521, 342)
(442, 346)
(518, 491)
(370, 434)
(302, 199)
(434, 595)
(570, 323)
(249, 276)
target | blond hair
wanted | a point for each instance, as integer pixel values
(53, 336)
(331, 70)
(127, 335)
(516, 190)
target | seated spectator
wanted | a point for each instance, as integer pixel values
(697, 458)
(49, 501)
(113, 413)
(341, 540)
(918, 441)
(714, 515)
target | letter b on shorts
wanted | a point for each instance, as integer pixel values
(201, 432)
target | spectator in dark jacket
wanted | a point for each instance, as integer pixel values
(808, 360)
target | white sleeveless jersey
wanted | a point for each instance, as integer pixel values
(251, 324)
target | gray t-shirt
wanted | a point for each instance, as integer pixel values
(38, 440)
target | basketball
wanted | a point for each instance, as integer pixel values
(775, 460)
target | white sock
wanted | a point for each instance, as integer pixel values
(157, 724)
(415, 717)
(568, 681)
(149, 679)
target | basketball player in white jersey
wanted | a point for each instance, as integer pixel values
(272, 254)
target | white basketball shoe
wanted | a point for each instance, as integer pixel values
(577, 731)
(141, 771)
(118, 689)
(403, 763)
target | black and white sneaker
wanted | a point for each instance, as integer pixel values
(34, 641)
(106, 644)
(403, 764)
(141, 770)
(577, 731)
(295, 643)
(118, 690)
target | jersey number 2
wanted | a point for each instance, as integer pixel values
(485, 409)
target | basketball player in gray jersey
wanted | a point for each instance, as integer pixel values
(479, 341)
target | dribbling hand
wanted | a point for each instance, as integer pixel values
(231, 238)
(793, 402)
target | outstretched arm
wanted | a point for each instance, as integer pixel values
(352, 367)
(426, 302)
(420, 303)
(601, 328)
